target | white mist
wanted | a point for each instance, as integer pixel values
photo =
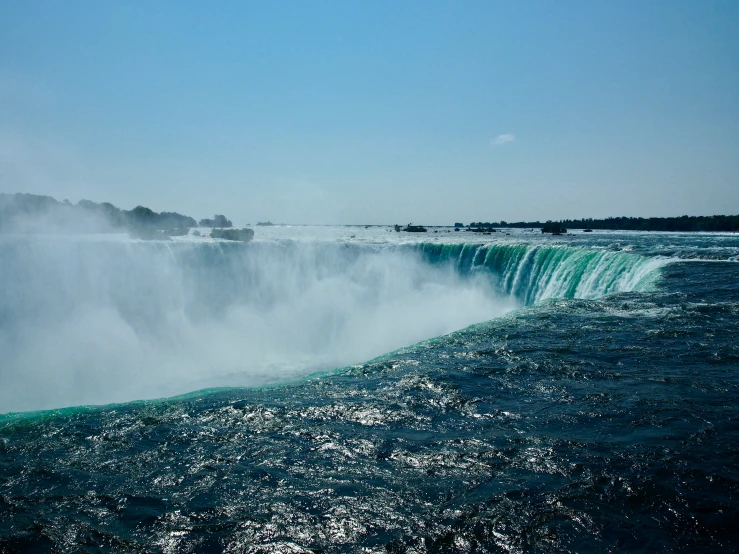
(98, 321)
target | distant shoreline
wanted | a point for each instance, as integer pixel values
(36, 213)
(19, 207)
(685, 223)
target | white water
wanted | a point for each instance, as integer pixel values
(100, 318)
(106, 321)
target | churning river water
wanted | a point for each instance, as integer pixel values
(351, 389)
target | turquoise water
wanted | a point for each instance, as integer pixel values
(568, 394)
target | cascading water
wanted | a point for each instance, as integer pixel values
(533, 273)
(544, 430)
(99, 321)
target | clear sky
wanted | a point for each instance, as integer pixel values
(374, 111)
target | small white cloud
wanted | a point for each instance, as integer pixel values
(503, 139)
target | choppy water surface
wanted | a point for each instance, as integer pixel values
(594, 410)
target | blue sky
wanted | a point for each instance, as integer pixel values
(375, 112)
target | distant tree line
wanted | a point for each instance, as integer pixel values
(714, 223)
(18, 209)
(217, 221)
(554, 228)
